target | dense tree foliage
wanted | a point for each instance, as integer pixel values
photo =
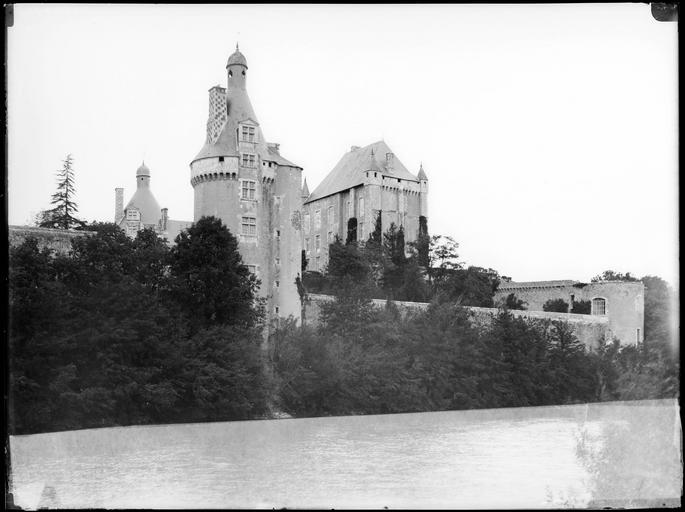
(556, 306)
(513, 302)
(115, 333)
(366, 360)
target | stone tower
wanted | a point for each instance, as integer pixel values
(240, 178)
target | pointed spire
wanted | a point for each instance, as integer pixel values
(236, 46)
(305, 189)
(422, 174)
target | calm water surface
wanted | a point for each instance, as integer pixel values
(569, 456)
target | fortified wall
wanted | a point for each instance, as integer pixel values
(57, 239)
(622, 303)
(588, 329)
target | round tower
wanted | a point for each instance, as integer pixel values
(423, 193)
(236, 68)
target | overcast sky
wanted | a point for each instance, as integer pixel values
(548, 132)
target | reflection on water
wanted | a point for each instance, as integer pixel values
(544, 457)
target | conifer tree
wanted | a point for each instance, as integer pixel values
(63, 213)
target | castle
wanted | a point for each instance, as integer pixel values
(242, 179)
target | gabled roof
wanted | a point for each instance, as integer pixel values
(348, 173)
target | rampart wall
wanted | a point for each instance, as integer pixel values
(589, 329)
(57, 239)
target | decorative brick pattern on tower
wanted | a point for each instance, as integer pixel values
(243, 180)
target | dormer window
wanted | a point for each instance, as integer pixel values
(248, 159)
(247, 133)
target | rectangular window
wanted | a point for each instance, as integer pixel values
(361, 207)
(278, 284)
(329, 240)
(360, 235)
(350, 213)
(248, 189)
(248, 226)
(637, 336)
(317, 242)
(248, 159)
(252, 269)
(317, 220)
(306, 223)
(331, 216)
(247, 134)
(306, 246)
(132, 214)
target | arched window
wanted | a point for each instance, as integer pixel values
(599, 306)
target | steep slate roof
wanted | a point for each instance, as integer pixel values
(144, 200)
(536, 284)
(348, 172)
(239, 110)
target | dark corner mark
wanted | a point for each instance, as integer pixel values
(665, 11)
(9, 15)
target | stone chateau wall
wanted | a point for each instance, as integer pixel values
(56, 239)
(588, 328)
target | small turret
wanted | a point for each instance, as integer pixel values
(237, 70)
(305, 190)
(422, 174)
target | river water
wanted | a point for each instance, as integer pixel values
(616, 454)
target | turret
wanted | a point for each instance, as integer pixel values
(423, 194)
(237, 70)
(143, 176)
(305, 190)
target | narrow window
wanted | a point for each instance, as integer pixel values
(317, 243)
(252, 269)
(361, 231)
(278, 261)
(329, 239)
(350, 214)
(278, 232)
(248, 226)
(306, 245)
(317, 220)
(361, 207)
(306, 223)
(331, 216)
(277, 284)
(276, 306)
(637, 336)
(318, 263)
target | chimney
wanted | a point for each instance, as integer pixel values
(118, 204)
(389, 161)
(164, 219)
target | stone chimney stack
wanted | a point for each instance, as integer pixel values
(390, 161)
(118, 204)
(164, 219)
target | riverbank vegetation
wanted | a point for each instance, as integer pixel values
(122, 332)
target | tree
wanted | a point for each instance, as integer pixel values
(208, 279)
(581, 307)
(63, 213)
(611, 275)
(442, 259)
(473, 286)
(660, 324)
(513, 302)
(556, 306)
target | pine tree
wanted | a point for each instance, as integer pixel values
(63, 213)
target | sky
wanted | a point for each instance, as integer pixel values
(549, 133)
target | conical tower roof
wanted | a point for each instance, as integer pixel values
(422, 174)
(143, 199)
